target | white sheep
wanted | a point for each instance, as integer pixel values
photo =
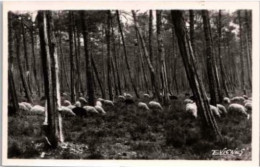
(147, 96)
(186, 101)
(90, 109)
(37, 109)
(100, 109)
(23, 107)
(237, 109)
(226, 100)
(155, 105)
(98, 103)
(248, 106)
(108, 102)
(66, 103)
(121, 98)
(238, 99)
(83, 101)
(192, 108)
(100, 99)
(28, 105)
(77, 104)
(221, 109)
(66, 111)
(128, 96)
(143, 106)
(214, 110)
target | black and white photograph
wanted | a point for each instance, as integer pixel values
(131, 83)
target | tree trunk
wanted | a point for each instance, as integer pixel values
(161, 53)
(118, 82)
(209, 55)
(109, 77)
(90, 88)
(241, 54)
(126, 58)
(19, 61)
(72, 60)
(63, 65)
(11, 84)
(208, 121)
(51, 80)
(191, 12)
(223, 74)
(151, 67)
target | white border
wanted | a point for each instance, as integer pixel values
(59, 5)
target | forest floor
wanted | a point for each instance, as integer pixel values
(126, 132)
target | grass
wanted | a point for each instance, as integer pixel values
(129, 133)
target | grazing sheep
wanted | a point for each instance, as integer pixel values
(22, 107)
(186, 101)
(192, 109)
(128, 96)
(155, 105)
(147, 96)
(143, 106)
(226, 100)
(66, 103)
(248, 106)
(247, 101)
(66, 111)
(90, 109)
(214, 110)
(100, 109)
(100, 99)
(98, 103)
(28, 105)
(238, 100)
(83, 101)
(37, 109)
(121, 98)
(71, 106)
(221, 109)
(237, 109)
(77, 104)
(108, 102)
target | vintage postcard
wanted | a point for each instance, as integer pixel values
(130, 83)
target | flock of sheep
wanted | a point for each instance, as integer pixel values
(239, 105)
(236, 105)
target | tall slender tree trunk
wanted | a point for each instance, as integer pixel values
(191, 12)
(108, 40)
(11, 84)
(150, 44)
(118, 82)
(208, 121)
(151, 67)
(72, 60)
(19, 61)
(223, 75)
(90, 87)
(209, 55)
(51, 78)
(161, 52)
(241, 54)
(126, 58)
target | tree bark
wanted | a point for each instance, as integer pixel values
(51, 80)
(72, 60)
(241, 54)
(108, 39)
(209, 55)
(209, 126)
(161, 53)
(11, 84)
(90, 87)
(126, 58)
(223, 75)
